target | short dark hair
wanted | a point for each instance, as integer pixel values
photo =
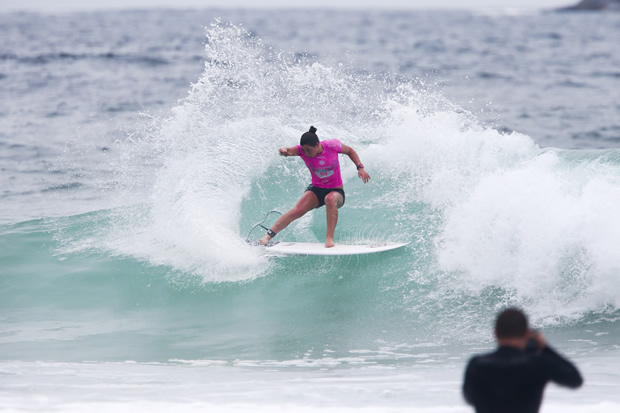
(309, 138)
(511, 323)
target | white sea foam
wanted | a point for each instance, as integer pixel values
(512, 216)
(187, 387)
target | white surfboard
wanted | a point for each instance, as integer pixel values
(315, 248)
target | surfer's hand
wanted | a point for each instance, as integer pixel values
(363, 175)
(283, 152)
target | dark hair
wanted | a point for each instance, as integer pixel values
(511, 323)
(309, 138)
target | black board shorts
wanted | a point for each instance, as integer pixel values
(321, 193)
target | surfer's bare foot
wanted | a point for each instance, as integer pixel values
(329, 243)
(264, 240)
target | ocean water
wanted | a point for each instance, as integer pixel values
(139, 148)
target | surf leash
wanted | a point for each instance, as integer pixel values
(260, 224)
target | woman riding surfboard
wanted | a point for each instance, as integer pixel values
(321, 158)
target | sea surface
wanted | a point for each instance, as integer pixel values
(139, 148)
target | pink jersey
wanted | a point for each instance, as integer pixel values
(324, 168)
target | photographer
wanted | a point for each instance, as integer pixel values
(512, 378)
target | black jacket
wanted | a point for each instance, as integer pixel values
(510, 380)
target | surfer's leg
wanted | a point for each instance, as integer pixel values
(307, 202)
(333, 201)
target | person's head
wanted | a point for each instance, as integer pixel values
(511, 327)
(309, 142)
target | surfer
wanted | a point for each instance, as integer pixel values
(321, 158)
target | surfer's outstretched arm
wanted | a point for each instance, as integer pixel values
(292, 151)
(361, 172)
